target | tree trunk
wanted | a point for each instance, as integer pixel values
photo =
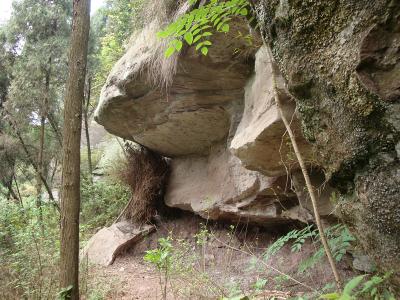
(86, 117)
(54, 126)
(70, 192)
(39, 163)
(40, 159)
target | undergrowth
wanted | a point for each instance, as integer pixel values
(186, 273)
(29, 247)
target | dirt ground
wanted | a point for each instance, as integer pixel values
(226, 260)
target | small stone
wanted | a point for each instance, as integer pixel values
(363, 263)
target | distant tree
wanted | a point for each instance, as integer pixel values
(37, 37)
(70, 193)
(121, 18)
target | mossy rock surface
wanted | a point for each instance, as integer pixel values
(341, 60)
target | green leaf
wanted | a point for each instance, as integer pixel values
(188, 37)
(244, 12)
(332, 296)
(207, 33)
(162, 34)
(169, 51)
(199, 45)
(204, 51)
(197, 38)
(352, 284)
(178, 44)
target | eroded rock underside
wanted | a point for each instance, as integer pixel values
(217, 120)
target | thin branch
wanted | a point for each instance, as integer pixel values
(35, 167)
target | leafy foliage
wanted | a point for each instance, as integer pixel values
(102, 201)
(28, 250)
(339, 240)
(299, 237)
(194, 27)
(360, 288)
(111, 29)
(160, 257)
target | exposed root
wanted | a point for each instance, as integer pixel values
(145, 173)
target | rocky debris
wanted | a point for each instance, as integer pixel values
(260, 141)
(325, 193)
(363, 263)
(109, 242)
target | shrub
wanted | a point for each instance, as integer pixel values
(28, 250)
(101, 201)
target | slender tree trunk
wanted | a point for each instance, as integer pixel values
(70, 192)
(54, 126)
(17, 187)
(40, 172)
(86, 117)
(40, 158)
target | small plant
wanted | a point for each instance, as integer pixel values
(64, 293)
(339, 240)
(161, 258)
(359, 288)
(299, 237)
(201, 240)
(194, 26)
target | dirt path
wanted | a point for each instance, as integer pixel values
(130, 278)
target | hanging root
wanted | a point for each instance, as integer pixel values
(145, 173)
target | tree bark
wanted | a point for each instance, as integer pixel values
(86, 119)
(70, 193)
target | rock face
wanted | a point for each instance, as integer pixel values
(219, 187)
(260, 140)
(341, 60)
(218, 123)
(109, 242)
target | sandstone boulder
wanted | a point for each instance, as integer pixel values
(260, 140)
(218, 122)
(109, 242)
(219, 187)
(195, 110)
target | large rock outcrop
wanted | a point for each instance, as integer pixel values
(341, 60)
(192, 114)
(217, 121)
